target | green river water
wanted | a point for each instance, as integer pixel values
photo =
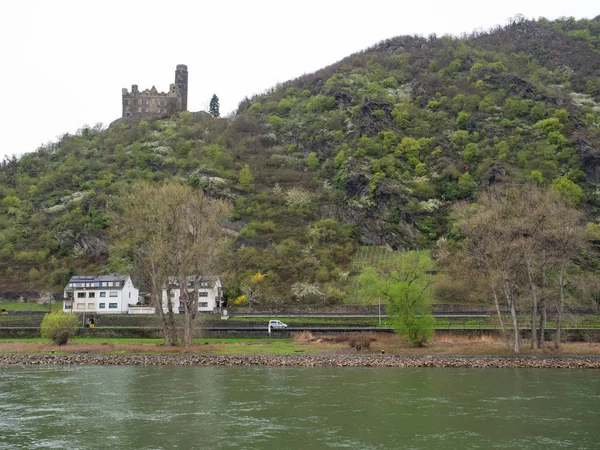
(297, 408)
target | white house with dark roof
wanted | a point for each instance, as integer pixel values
(210, 293)
(101, 294)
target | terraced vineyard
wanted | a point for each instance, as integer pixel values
(382, 260)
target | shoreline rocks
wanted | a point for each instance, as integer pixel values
(508, 362)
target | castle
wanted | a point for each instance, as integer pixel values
(153, 104)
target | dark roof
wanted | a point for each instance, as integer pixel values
(120, 279)
(211, 279)
(88, 278)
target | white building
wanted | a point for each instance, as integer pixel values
(103, 294)
(210, 294)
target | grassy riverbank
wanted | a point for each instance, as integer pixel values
(303, 343)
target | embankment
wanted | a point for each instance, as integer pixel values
(545, 362)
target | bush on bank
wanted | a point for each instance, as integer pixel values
(59, 326)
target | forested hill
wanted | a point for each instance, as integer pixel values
(372, 150)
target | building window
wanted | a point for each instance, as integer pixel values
(68, 306)
(91, 295)
(80, 305)
(203, 304)
(130, 295)
(110, 283)
(102, 305)
(202, 294)
(104, 284)
(204, 283)
(102, 294)
(113, 294)
(71, 284)
(81, 295)
(112, 306)
(90, 305)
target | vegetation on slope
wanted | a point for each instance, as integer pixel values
(372, 150)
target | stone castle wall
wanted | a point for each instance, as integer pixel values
(153, 104)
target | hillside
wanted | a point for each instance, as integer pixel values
(372, 150)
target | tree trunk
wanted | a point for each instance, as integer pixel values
(185, 299)
(497, 304)
(534, 306)
(513, 313)
(561, 305)
(543, 309)
(161, 314)
(191, 312)
(166, 327)
(543, 320)
(171, 319)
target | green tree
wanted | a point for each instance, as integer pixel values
(245, 179)
(405, 288)
(33, 274)
(312, 160)
(570, 191)
(59, 326)
(213, 108)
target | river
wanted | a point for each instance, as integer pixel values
(79, 407)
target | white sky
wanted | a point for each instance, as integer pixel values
(64, 62)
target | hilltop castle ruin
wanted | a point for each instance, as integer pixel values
(153, 104)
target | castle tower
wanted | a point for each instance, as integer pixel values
(181, 80)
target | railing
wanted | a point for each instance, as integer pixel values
(142, 310)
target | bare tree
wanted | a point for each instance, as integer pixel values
(196, 242)
(139, 233)
(566, 244)
(517, 236)
(173, 231)
(491, 249)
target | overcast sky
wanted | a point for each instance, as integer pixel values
(64, 62)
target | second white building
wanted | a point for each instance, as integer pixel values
(210, 294)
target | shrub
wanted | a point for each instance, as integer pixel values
(304, 337)
(360, 342)
(59, 326)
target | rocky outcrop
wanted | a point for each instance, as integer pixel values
(508, 362)
(93, 246)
